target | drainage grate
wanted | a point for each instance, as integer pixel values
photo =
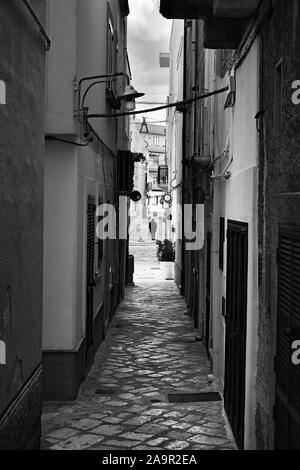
(191, 397)
(104, 391)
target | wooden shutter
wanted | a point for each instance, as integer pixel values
(236, 327)
(287, 416)
(90, 239)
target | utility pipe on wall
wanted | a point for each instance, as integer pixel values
(39, 24)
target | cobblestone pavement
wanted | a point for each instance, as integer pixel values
(150, 351)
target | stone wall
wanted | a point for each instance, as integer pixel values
(279, 187)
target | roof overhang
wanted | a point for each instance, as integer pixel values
(235, 8)
(224, 20)
(186, 9)
(124, 7)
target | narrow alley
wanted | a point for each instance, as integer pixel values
(150, 352)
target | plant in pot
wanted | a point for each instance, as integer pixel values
(166, 256)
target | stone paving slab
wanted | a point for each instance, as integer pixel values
(150, 351)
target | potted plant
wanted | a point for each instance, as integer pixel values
(166, 256)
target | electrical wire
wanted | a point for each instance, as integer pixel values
(202, 171)
(171, 105)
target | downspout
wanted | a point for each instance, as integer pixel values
(182, 290)
(196, 84)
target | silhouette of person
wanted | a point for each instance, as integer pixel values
(152, 228)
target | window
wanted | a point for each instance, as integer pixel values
(278, 96)
(155, 141)
(163, 175)
(154, 158)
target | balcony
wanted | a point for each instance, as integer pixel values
(225, 20)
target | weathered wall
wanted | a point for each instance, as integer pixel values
(236, 199)
(60, 237)
(22, 67)
(279, 191)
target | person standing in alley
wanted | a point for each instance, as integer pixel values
(152, 228)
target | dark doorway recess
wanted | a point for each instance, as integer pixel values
(236, 324)
(287, 408)
(194, 397)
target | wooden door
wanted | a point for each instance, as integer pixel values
(90, 275)
(236, 325)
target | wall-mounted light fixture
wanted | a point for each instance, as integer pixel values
(129, 96)
(231, 97)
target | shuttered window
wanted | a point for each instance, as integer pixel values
(90, 239)
(287, 411)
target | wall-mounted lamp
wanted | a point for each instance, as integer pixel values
(231, 97)
(129, 96)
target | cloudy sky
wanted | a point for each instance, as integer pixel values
(148, 35)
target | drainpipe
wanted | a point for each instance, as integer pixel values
(38, 23)
(182, 290)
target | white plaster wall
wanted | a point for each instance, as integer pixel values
(61, 66)
(174, 126)
(60, 240)
(78, 30)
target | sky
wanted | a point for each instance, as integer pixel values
(148, 35)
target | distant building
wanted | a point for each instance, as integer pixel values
(151, 175)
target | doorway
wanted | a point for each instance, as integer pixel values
(236, 325)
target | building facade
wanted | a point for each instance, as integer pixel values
(87, 164)
(22, 84)
(239, 160)
(174, 138)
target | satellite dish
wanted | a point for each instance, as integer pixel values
(135, 196)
